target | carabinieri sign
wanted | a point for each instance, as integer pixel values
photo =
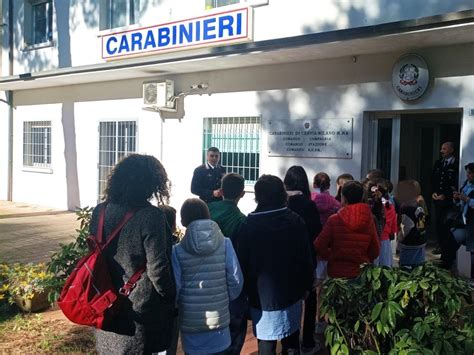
(217, 28)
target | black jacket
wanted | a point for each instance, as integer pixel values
(206, 180)
(416, 214)
(444, 179)
(275, 258)
(306, 209)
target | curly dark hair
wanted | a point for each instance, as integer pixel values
(135, 180)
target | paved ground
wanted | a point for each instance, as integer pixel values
(31, 233)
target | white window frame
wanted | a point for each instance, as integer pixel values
(131, 15)
(213, 4)
(238, 138)
(30, 42)
(37, 146)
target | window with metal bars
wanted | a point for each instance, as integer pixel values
(37, 144)
(238, 139)
(117, 139)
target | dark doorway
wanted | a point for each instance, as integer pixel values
(421, 136)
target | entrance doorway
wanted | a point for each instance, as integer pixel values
(406, 145)
(421, 137)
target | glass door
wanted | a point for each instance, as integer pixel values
(384, 145)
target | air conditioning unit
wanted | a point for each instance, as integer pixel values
(159, 95)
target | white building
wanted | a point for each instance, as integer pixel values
(272, 83)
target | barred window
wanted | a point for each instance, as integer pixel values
(116, 141)
(238, 139)
(37, 144)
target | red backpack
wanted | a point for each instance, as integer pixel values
(89, 296)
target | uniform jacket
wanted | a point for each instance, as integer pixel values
(348, 240)
(275, 257)
(205, 180)
(444, 179)
(149, 310)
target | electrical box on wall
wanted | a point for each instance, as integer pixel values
(159, 94)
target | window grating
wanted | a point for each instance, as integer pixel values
(116, 141)
(37, 144)
(238, 139)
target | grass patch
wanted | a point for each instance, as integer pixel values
(32, 333)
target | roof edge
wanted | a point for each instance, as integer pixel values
(390, 28)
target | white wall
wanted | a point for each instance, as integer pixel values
(88, 115)
(76, 23)
(335, 88)
(39, 187)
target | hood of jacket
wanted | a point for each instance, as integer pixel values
(356, 217)
(202, 237)
(272, 220)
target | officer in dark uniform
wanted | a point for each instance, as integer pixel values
(207, 178)
(444, 181)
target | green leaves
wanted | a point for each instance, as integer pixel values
(376, 311)
(399, 312)
(356, 326)
(63, 262)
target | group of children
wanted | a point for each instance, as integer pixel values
(281, 252)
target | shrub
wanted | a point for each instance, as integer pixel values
(23, 281)
(63, 262)
(395, 311)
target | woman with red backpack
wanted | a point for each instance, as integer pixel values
(142, 323)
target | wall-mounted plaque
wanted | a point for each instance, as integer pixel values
(410, 77)
(310, 138)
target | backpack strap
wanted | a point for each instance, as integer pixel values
(132, 282)
(127, 288)
(100, 228)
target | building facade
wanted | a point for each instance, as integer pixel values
(271, 83)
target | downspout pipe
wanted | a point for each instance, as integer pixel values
(9, 95)
(10, 145)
